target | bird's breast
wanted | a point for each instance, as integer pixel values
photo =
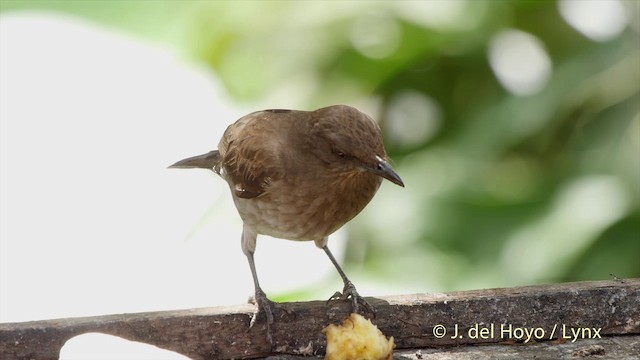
(308, 208)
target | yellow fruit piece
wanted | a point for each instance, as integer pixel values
(357, 339)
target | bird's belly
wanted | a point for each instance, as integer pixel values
(296, 218)
(283, 221)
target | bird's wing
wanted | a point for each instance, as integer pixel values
(251, 150)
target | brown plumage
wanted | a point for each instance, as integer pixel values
(299, 175)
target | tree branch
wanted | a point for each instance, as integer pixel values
(562, 312)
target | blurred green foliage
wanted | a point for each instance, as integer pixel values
(501, 189)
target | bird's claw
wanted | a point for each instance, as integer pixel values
(350, 293)
(263, 306)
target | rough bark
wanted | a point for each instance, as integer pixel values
(553, 314)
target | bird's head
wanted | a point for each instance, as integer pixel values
(348, 141)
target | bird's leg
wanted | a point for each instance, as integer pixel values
(263, 303)
(349, 291)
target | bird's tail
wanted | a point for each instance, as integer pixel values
(210, 160)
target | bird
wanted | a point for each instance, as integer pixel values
(299, 175)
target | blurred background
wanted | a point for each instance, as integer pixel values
(514, 124)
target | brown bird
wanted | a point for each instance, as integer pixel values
(299, 175)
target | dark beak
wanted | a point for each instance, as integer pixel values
(205, 161)
(382, 168)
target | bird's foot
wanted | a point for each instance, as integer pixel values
(263, 307)
(350, 293)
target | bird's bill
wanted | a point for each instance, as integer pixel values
(204, 161)
(382, 168)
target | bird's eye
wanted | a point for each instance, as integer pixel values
(338, 152)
